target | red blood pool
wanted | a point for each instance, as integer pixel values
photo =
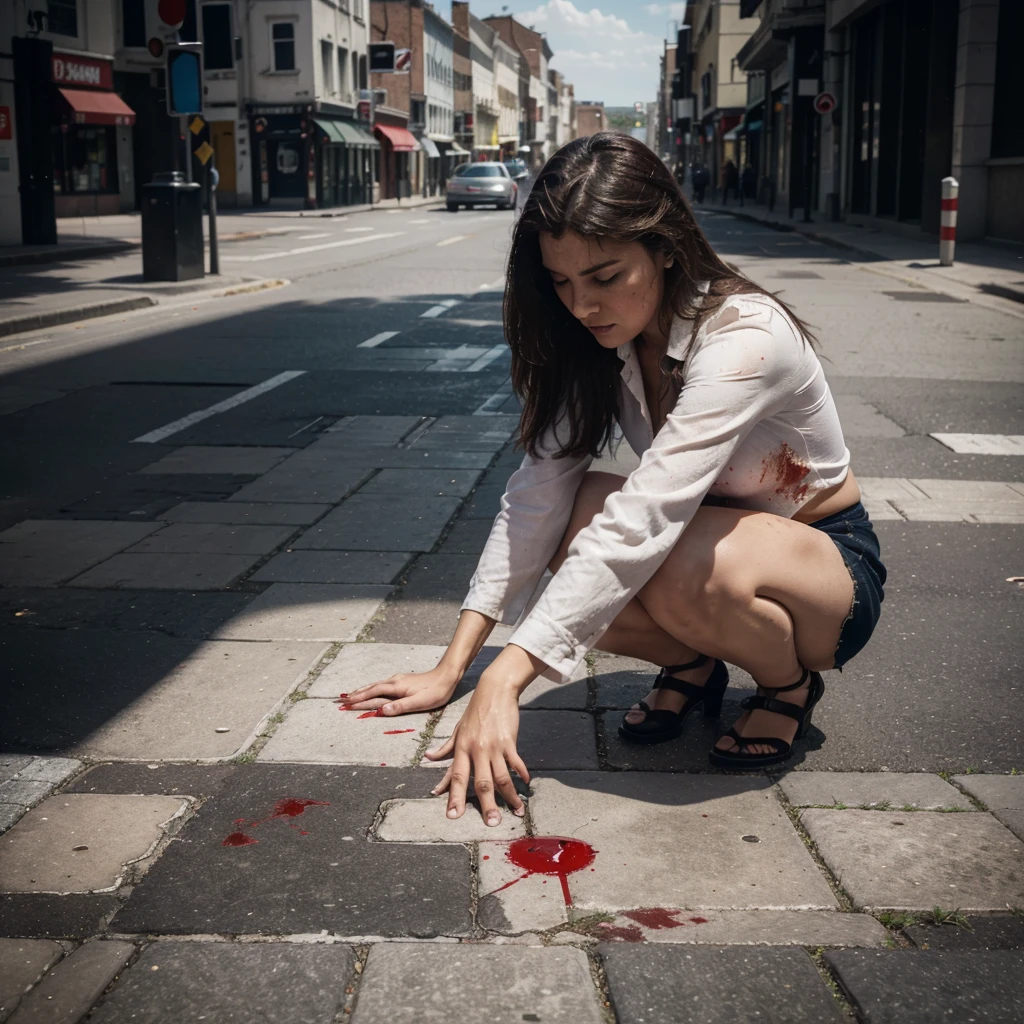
(628, 934)
(397, 732)
(291, 808)
(654, 917)
(551, 855)
(372, 714)
(239, 839)
(487, 856)
(699, 920)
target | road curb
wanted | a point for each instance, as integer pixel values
(67, 252)
(89, 311)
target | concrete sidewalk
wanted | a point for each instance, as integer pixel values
(221, 836)
(982, 272)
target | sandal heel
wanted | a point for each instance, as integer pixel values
(714, 690)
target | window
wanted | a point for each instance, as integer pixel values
(282, 34)
(83, 160)
(327, 63)
(133, 22)
(217, 48)
(485, 171)
(62, 17)
(354, 81)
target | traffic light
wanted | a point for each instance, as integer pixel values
(184, 79)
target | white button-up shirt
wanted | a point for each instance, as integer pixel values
(755, 422)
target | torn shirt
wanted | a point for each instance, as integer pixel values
(755, 422)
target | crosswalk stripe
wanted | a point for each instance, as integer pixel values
(983, 444)
(377, 339)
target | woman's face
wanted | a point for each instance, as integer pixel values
(614, 289)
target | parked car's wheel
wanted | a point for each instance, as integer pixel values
(452, 207)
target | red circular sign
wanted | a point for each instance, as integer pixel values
(171, 12)
(824, 103)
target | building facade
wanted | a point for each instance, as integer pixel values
(66, 135)
(590, 118)
(486, 108)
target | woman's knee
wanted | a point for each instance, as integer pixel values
(590, 497)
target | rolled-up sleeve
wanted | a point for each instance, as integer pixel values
(739, 372)
(535, 511)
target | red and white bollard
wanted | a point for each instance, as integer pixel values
(947, 221)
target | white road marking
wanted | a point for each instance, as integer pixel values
(452, 240)
(324, 245)
(498, 285)
(943, 501)
(487, 358)
(443, 306)
(307, 238)
(360, 229)
(377, 339)
(229, 403)
(983, 444)
(457, 360)
(424, 220)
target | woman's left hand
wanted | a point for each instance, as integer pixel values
(484, 743)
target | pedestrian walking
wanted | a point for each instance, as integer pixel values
(701, 178)
(740, 538)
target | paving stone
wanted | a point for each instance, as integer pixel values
(548, 740)
(996, 792)
(22, 962)
(149, 496)
(424, 821)
(327, 448)
(43, 553)
(433, 482)
(268, 512)
(430, 983)
(316, 731)
(917, 860)
(708, 985)
(104, 695)
(333, 567)
(69, 916)
(466, 537)
(378, 431)
(426, 610)
(365, 523)
(868, 789)
(241, 459)
(921, 987)
(1012, 818)
(274, 982)
(996, 931)
(11, 764)
(67, 992)
(743, 927)
(486, 502)
(23, 791)
(319, 483)
(639, 822)
(360, 664)
(39, 854)
(511, 903)
(468, 433)
(161, 778)
(214, 538)
(50, 769)
(168, 571)
(290, 883)
(9, 814)
(123, 610)
(307, 611)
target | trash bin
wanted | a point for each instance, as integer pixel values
(172, 228)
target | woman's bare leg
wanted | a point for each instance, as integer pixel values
(762, 592)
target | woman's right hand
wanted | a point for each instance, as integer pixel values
(402, 693)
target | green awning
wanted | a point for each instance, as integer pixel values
(346, 133)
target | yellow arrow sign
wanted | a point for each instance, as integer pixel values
(204, 152)
(197, 125)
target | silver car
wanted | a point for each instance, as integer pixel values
(484, 183)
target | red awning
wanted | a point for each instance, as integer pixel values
(401, 139)
(88, 107)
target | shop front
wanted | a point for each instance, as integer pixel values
(344, 152)
(433, 177)
(92, 138)
(397, 145)
(284, 161)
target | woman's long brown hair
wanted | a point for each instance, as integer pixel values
(605, 186)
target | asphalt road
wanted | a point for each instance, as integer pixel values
(940, 685)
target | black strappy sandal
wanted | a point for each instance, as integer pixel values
(740, 760)
(660, 724)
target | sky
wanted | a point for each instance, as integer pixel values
(609, 51)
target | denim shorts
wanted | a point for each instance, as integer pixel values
(851, 531)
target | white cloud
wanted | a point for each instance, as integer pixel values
(563, 16)
(675, 11)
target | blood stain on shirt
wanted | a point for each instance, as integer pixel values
(788, 472)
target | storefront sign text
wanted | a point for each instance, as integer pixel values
(73, 70)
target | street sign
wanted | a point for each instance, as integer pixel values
(203, 153)
(196, 125)
(184, 79)
(403, 61)
(824, 103)
(382, 58)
